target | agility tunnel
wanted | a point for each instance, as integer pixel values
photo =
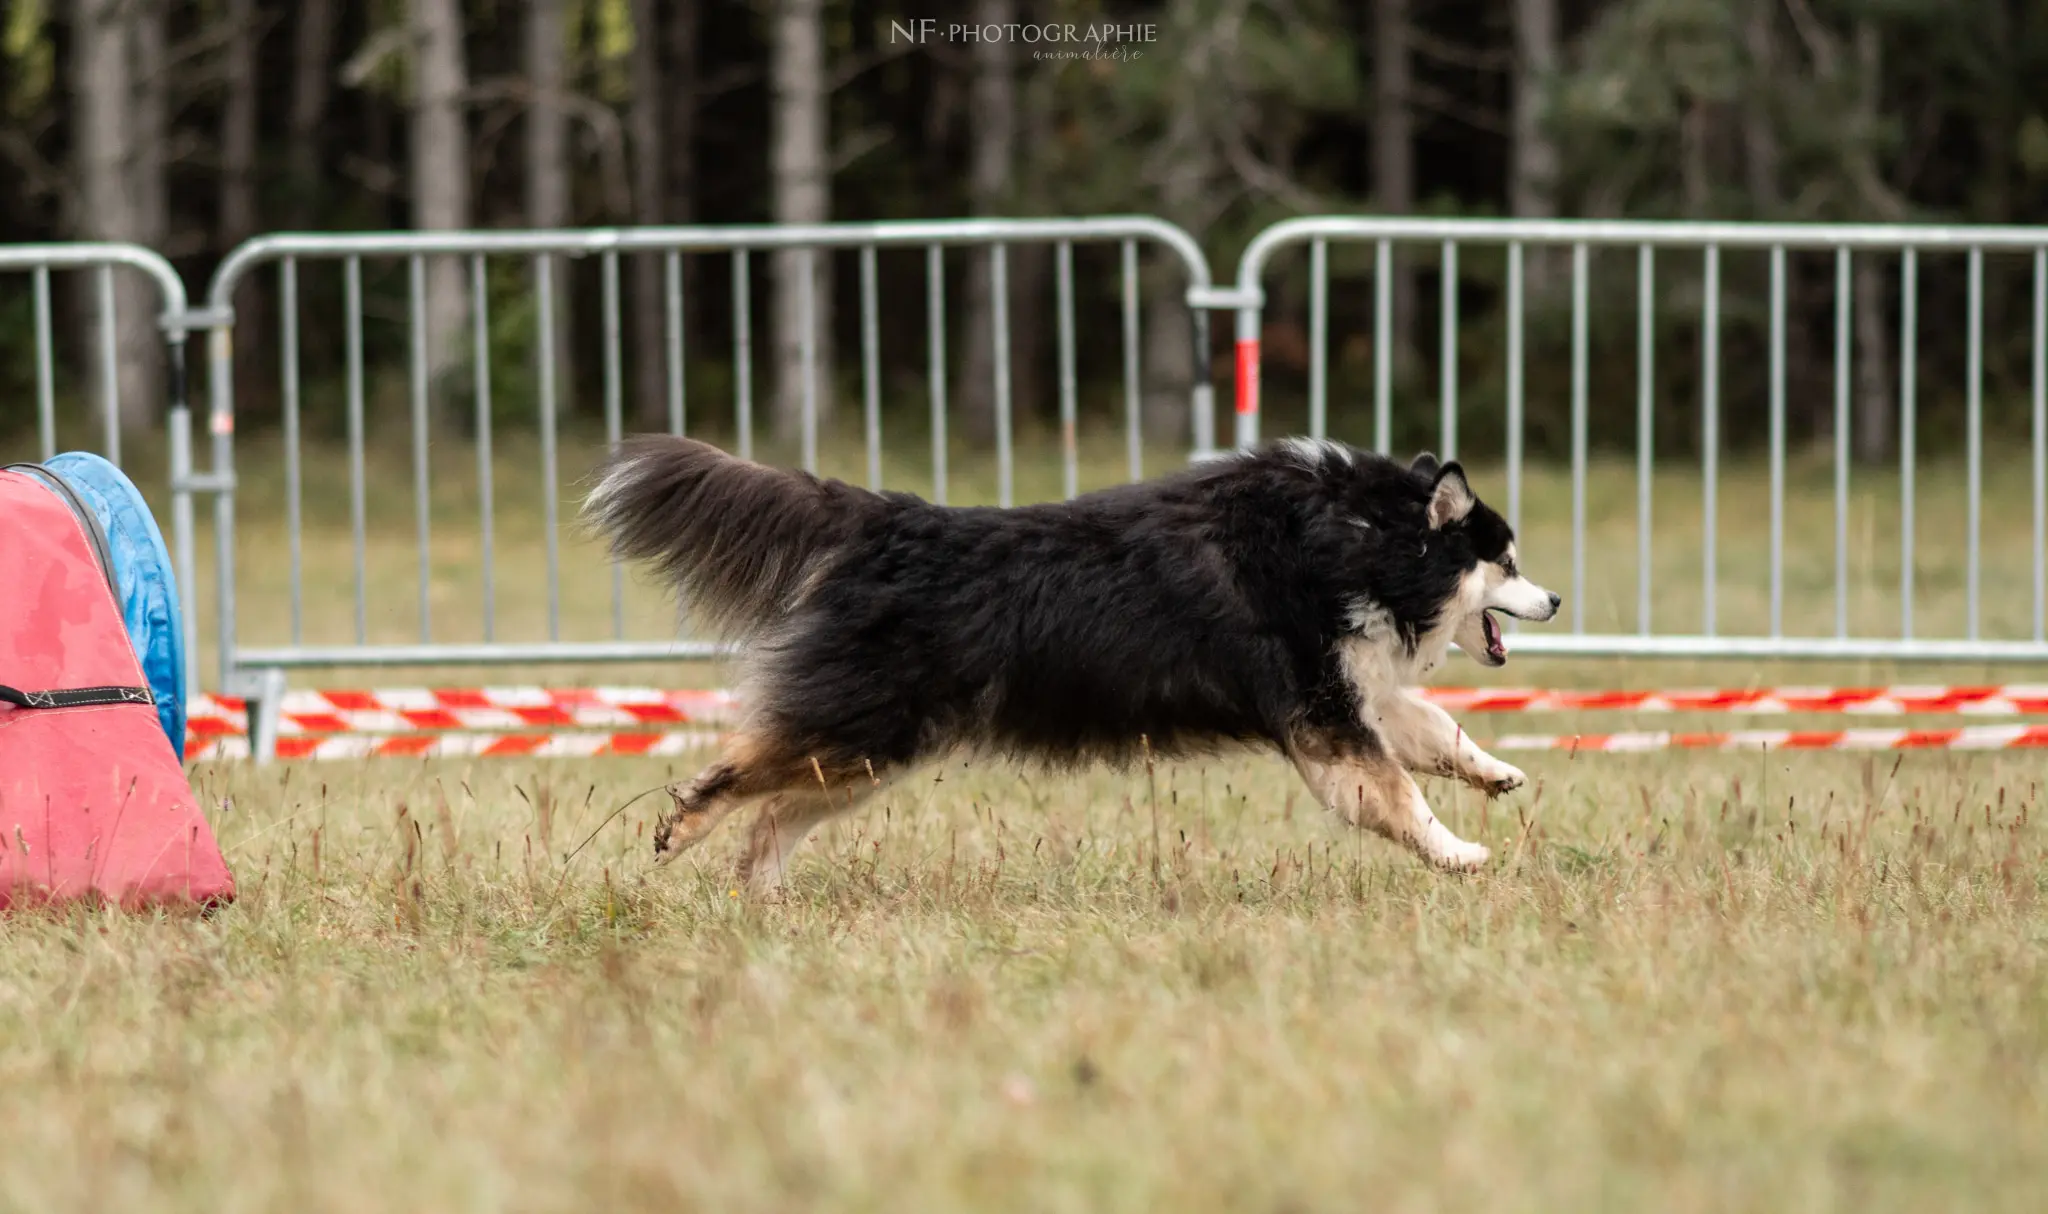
(94, 802)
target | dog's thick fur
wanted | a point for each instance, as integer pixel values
(1288, 597)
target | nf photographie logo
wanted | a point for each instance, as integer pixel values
(1102, 40)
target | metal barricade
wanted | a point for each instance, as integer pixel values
(1901, 248)
(257, 671)
(103, 260)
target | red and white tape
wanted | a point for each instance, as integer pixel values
(417, 709)
(1974, 737)
(463, 745)
(680, 742)
(407, 710)
(2008, 701)
(498, 721)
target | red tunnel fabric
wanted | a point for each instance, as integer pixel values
(93, 803)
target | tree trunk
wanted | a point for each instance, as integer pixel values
(1533, 168)
(117, 71)
(1762, 174)
(1393, 162)
(1998, 130)
(547, 167)
(152, 122)
(678, 180)
(238, 127)
(1759, 135)
(1034, 367)
(989, 183)
(312, 87)
(643, 122)
(237, 218)
(1170, 362)
(1693, 172)
(141, 344)
(547, 119)
(102, 75)
(1876, 402)
(680, 130)
(440, 171)
(802, 187)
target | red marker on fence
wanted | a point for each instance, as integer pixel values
(1248, 376)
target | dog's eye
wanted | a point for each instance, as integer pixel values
(1507, 563)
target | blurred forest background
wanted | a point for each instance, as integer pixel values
(191, 125)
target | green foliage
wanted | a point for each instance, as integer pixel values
(31, 59)
(1644, 61)
(2030, 148)
(612, 42)
(1222, 98)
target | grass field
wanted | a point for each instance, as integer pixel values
(1688, 982)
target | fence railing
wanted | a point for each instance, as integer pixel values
(102, 261)
(1519, 241)
(1788, 543)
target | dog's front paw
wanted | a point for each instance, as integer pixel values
(1463, 858)
(1501, 778)
(665, 826)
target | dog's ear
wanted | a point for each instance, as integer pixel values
(1452, 498)
(1425, 464)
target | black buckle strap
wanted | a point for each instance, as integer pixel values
(80, 697)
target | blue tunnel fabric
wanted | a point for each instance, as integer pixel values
(143, 571)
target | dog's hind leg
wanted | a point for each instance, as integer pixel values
(1359, 781)
(698, 807)
(786, 818)
(750, 767)
(1425, 739)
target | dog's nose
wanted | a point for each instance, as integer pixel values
(1554, 600)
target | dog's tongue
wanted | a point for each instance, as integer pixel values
(1495, 645)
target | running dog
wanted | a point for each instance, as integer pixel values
(1287, 597)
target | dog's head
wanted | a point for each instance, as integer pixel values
(1481, 542)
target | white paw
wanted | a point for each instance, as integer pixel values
(1503, 778)
(1463, 857)
(665, 849)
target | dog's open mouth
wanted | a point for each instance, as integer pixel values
(1496, 645)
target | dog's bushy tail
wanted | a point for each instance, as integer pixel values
(736, 539)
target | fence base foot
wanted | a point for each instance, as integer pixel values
(262, 693)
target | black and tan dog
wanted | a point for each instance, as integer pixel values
(1291, 597)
